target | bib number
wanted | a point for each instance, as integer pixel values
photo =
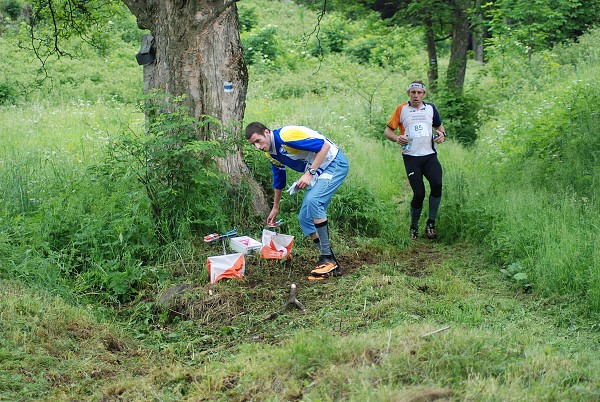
(418, 130)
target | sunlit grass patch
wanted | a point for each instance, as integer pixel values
(78, 129)
(400, 361)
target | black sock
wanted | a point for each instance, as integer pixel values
(317, 242)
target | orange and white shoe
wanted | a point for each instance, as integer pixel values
(316, 277)
(326, 267)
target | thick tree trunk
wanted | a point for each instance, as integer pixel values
(457, 66)
(199, 54)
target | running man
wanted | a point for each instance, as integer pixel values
(324, 168)
(420, 128)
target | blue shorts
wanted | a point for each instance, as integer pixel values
(317, 197)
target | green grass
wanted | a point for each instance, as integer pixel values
(515, 274)
(362, 338)
(78, 129)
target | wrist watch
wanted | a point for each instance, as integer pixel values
(312, 171)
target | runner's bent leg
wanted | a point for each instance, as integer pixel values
(317, 200)
(414, 174)
(433, 173)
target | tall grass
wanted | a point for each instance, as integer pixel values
(528, 191)
(547, 238)
(72, 232)
(56, 218)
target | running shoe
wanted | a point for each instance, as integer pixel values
(326, 267)
(414, 233)
(430, 230)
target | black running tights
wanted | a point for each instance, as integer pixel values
(417, 167)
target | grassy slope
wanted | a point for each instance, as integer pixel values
(361, 339)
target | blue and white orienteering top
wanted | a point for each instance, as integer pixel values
(296, 148)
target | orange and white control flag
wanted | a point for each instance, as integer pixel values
(276, 246)
(226, 266)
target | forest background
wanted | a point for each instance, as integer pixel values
(86, 261)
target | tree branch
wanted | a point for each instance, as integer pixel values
(316, 31)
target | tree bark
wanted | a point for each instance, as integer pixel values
(432, 70)
(478, 35)
(457, 66)
(199, 54)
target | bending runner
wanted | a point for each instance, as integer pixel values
(416, 121)
(325, 168)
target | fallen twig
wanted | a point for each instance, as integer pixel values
(436, 331)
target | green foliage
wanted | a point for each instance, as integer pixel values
(248, 17)
(94, 231)
(367, 88)
(8, 94)
(335, 35)
(459, 114)
(332, 36)
(68, 230)
(356, 211)
(515, 271)
(541, 24)
(262, 46)
(378, 46)
(88, 78)
(259, 166)
(361, 49)
(53, 24)
(124, 26)
(176, 170)
(529, 195)
(12, 8)
(556, 160)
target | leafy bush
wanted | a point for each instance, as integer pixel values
(355, 210)
(262, 46)
(459, 114)
(332, 37)
(335, 35)
(11, 7)
(360, 49)
(380, 48)
(248, 18)
(176, 169)
(8, 94)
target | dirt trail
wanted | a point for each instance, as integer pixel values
(267, 282)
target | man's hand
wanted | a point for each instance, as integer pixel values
(402, 140)
(441, 137)
(271, 219)
(305, 180)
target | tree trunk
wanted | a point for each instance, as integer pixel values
(477, 45)
(432, 71)
(478, 35)
(199, 54)
(457, 66)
